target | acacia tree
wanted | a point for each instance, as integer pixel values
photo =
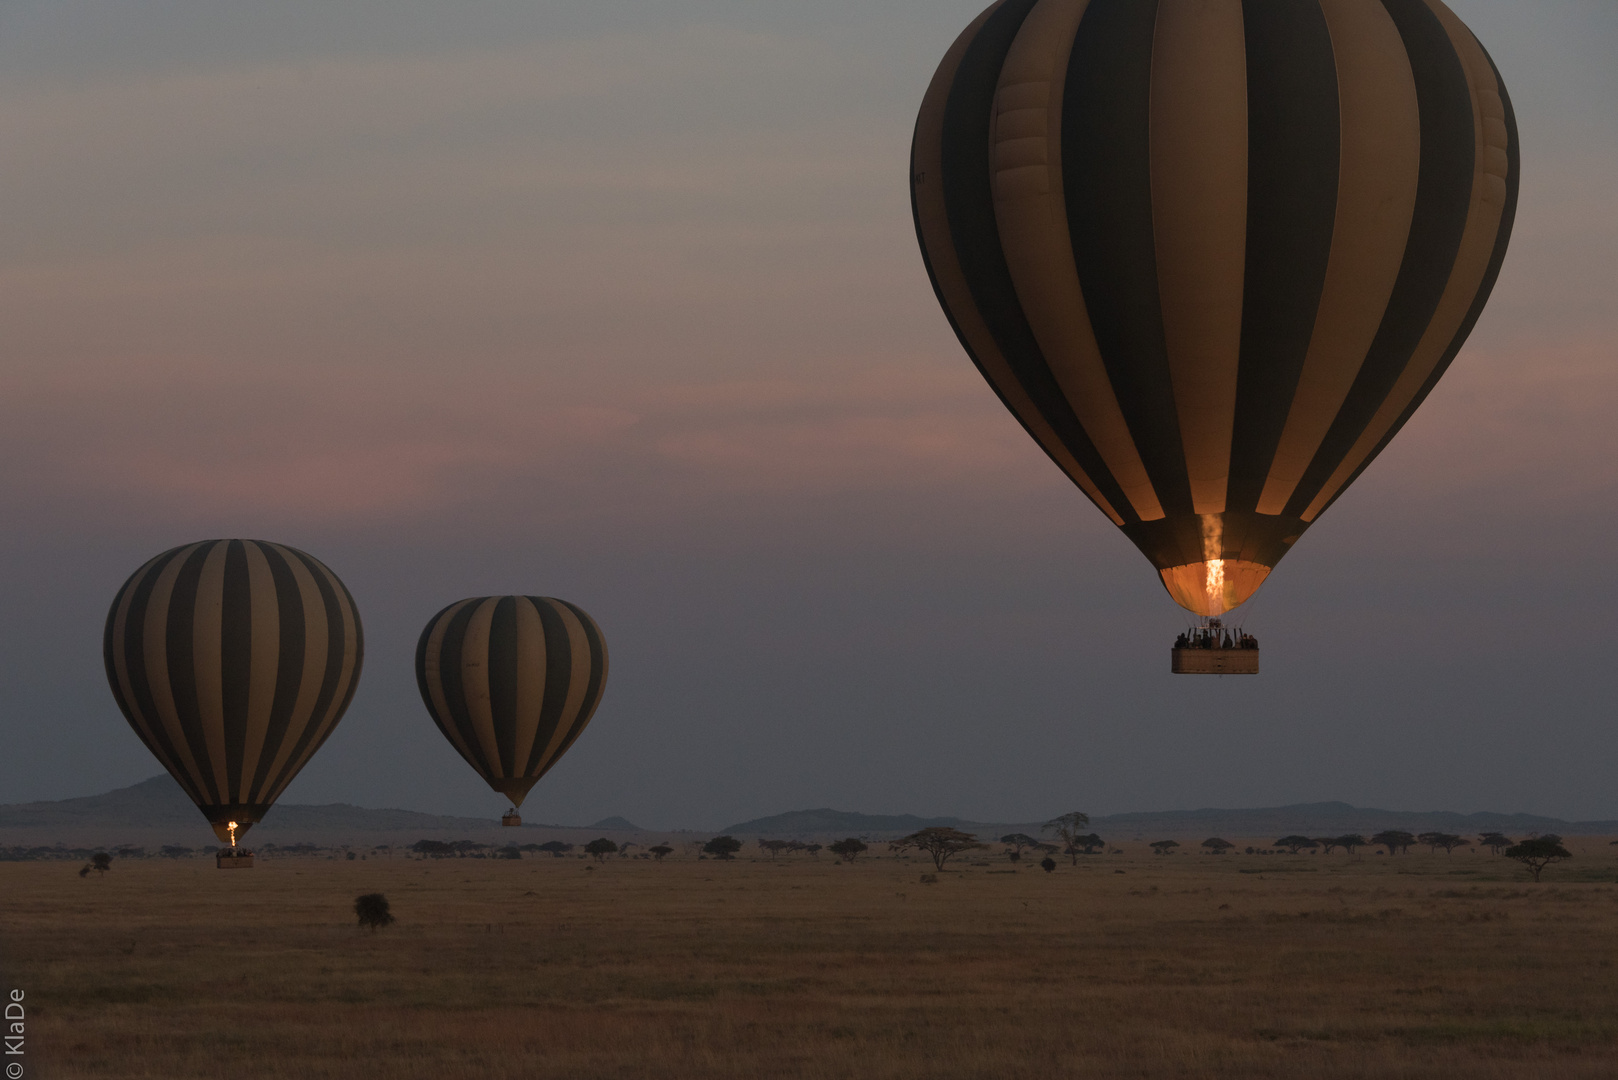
(1448, 841)
(1296, 843)
(1395, 840)
(722, 847)
(1018, 841)
(600, 847)
(1538, 852)
(1070, 828)
(940, 842)
(774, 847)
(101, 861)
(847, 848)
(556, 848)
(1327, 843)
(1216, 846)
(1495, 841)
(1349, 841)
(660, 850)
(1164, 847)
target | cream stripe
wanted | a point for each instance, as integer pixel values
(154, 638)
(1199, 221)
(431, 662)
(1376, 197)
(1471, 261)
(120, 666)
(578, 644)
(475, 683)
(266, 658)
(530, 677)
(208, 661)
(314, 667)
(933, 223)
(1030, 209)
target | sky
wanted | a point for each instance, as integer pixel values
(620, 302)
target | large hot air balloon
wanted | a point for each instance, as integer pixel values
(511, 681)
(233, 660)
(1213, 254)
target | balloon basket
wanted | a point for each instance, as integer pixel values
(510, 817)
(228, 859)
(1214, 661)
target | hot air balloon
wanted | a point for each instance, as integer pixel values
(511, 681)
(233, 660)
(1213, 254)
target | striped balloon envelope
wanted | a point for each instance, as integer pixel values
(1213, 253)
(233, 660)
(511, 681)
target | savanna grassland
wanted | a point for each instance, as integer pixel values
(1184, 966)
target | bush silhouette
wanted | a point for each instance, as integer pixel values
(372, 910)
(1047, 864)
(600, 848)
(722, 847)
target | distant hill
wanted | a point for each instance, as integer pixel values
(617, 824)
(1315, 819)
(846, 823)
(156, 811)
(1330, 818)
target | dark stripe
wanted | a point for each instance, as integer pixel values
(450, 651)
(179, 641)
(1443, 197)
(558, 679)
(1294, 149)
(502, 668)
(1106, 169)
(330, 677)
(133, 646)
(289, 667)
(236, 657)
(969, 205)
(1508, 219)
(594, 689)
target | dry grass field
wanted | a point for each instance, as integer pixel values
(1187, 966)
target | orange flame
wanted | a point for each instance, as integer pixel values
(1213, 536)
(232, 828)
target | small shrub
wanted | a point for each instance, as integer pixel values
(372, 910)
(1047, 864)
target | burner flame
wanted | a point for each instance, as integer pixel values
(1213, 536)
